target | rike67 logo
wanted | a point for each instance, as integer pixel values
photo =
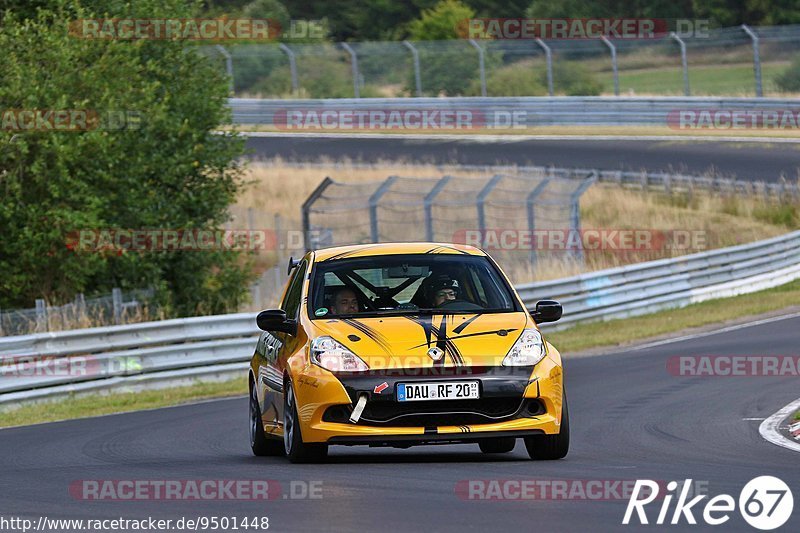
(765, 503)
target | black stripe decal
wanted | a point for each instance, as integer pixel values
(441, 342)
(342, 255)
(376, 336)
(461, 327)
(471, 335)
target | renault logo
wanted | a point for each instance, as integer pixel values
(435, 353)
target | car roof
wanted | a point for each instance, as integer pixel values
(394, 248)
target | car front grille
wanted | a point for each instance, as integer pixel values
(438, 413)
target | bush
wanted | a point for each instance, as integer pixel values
(572, 79)
(170, 172)
(789, 81)
(444, 21)
(525, 78)
(445, 68)
(515, 80)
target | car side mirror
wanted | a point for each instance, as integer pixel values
(547, 311)
(275, 320)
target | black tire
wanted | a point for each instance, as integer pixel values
(551, 447)
(498, 445)
(259, 442)
(296, 450)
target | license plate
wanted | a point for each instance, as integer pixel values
(446, 390)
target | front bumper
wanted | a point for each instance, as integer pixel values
(518, 401)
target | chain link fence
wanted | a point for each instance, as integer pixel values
(739, 61)
(119, 307)
(449, 209)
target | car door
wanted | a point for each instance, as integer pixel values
(284, 344)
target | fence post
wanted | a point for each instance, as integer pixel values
(116, 299)
(548, 55)
(292, 66)
(481, 65)
(481, 200)
(354, 64)
(684, 63)
(373, 207)
(756, 59)
(80, 307)
(429, 206)
(279, 240)
(306, 210)
(575, 211)
(417, 75)
(228, 65)
(613, 63)
(41, 316)
(529, 203)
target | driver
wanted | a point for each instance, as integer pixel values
(345, 302)
(443, 289)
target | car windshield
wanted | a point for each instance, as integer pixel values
(408, 284)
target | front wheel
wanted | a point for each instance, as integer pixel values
(259, 442)
(550, 447)
(296, 450)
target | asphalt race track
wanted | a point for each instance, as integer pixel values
(750, 161)
(630, 419)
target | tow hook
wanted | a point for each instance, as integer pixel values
(359, 408)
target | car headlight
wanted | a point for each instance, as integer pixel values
(527, 351)
(331, 355)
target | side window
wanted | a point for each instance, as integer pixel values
(291, 303)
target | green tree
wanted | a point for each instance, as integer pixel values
(444, 21)
(168, 171)
(447, 68)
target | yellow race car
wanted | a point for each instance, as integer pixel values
(404, 344)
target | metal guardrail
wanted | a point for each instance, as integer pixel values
(647, 287)
(781, 190)
(504, 112)
(149, 353)
(159, 354)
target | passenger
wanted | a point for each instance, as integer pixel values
(442, 290)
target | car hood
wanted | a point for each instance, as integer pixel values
(404, 341)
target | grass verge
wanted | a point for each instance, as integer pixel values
(625, 331)
(103, 404)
